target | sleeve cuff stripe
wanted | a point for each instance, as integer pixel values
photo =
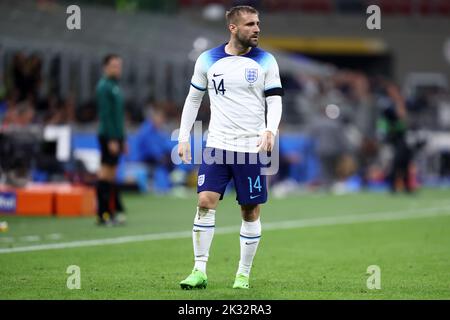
(197, 87)
(274, 92)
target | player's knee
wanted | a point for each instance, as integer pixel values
(206, 202)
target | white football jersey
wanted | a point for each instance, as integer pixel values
(237, 87)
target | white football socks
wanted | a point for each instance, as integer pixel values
(202, 235)
(250, 236)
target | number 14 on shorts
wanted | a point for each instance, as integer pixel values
(254, 184)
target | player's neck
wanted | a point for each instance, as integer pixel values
(110, 77)
(236, 49)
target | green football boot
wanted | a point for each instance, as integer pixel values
(196, 279)
(241, 282)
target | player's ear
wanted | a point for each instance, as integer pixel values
(232, 27)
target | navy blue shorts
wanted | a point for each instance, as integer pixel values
(245, 170)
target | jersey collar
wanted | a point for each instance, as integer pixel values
(248, 54)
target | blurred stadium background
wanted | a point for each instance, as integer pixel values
(326, 55)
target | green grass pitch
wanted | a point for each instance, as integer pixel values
(314, 246)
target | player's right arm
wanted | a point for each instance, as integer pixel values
(194, 98)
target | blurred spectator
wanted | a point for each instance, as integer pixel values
(18, 114)
(5, 107)
(330, 143)
(17, 84)
(58, 111)
(33, 77)
(393, 127)
(155, 147)
(25, 76)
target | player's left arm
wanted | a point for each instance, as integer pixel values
(199, 84)
(273, 92)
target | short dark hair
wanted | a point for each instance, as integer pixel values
(232, 14)
(109, 57)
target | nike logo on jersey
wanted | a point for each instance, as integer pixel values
(253, 197)
(251, 242)
(217, 75)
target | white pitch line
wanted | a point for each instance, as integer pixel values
(292, 224)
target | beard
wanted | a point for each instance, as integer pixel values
(247, 42)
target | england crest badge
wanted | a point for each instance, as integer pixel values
(201, 180)
(251, 74)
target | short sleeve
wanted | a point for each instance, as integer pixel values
(199, 78)
(272, 83)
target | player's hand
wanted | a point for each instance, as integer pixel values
(113, 146)
(266, 142)
(184, 151)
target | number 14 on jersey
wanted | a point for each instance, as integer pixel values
(219, 88)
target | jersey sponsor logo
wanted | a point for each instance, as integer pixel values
(253, 197)
(217, 75)
(201, 180)
(251, 74)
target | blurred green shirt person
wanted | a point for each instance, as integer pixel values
(111, 136)
(110, 109)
